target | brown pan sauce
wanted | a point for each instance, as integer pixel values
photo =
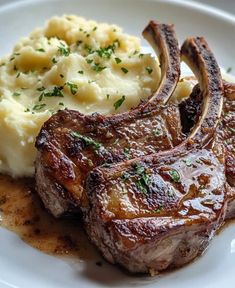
(22, 212)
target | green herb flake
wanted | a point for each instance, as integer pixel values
(187, 161)
(38, 107)
(89, 61)
(15, 94)
(124, 70)
(73, 87)
(118, 60)
(143, 180)
(63, 50)
(175, 176)
(98, 68)
(80, 72)
(157, 132)
(61, 103)
(55, 92)
(126, 151)
(141, 55)
(170, 192)
(229, 70)
(18, 75)
(54, 60)
(87, 140)
(125, 176)
(41, 88)
(119, 102)
(159, 209)
(149, 70)
(61, 76)
(40, 50)
(106, 52)
(107, 96)
(95, 28)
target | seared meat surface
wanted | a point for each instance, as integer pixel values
(190, 111)
(71, 144)
(151, 197)
(159, 211)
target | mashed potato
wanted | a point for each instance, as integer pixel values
(70, 63)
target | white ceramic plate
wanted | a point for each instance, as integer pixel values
(24, 267)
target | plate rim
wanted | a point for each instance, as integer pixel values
(194, 5)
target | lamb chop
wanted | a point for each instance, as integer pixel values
(161, 211)
(71, 144)
(190, 109)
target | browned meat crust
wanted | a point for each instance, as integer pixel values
(71, 144)
(190, 110)
(161, 210)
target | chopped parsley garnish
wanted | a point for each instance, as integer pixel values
(95, 28)
(175, 176)
(89, 61)
(18, 75)
(61, 103)
(170, 192)
(54, 60)
(229, 69)
(27, 110)
(61, 76)
(98, 68)
(158, 132)
(88, 48)
(63, 50)
(38, 107)
(55, 92)
(141, 55)
(81, 72)
(40, 50)
(149, 69)
(3, 64)
(15, 68)
(188, 162)
(106, 52)
(16, 94)
(87, 140)
(143, 179)
(126, 152)
(73, 87)
(159, 209)
(88, 35)
(118, 60)
(107, 96)
(41, 88)
(124, 70)
(119, 102)
(125, 176)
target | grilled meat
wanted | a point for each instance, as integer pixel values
(159, 211)
(71, 144)
(190, 110)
